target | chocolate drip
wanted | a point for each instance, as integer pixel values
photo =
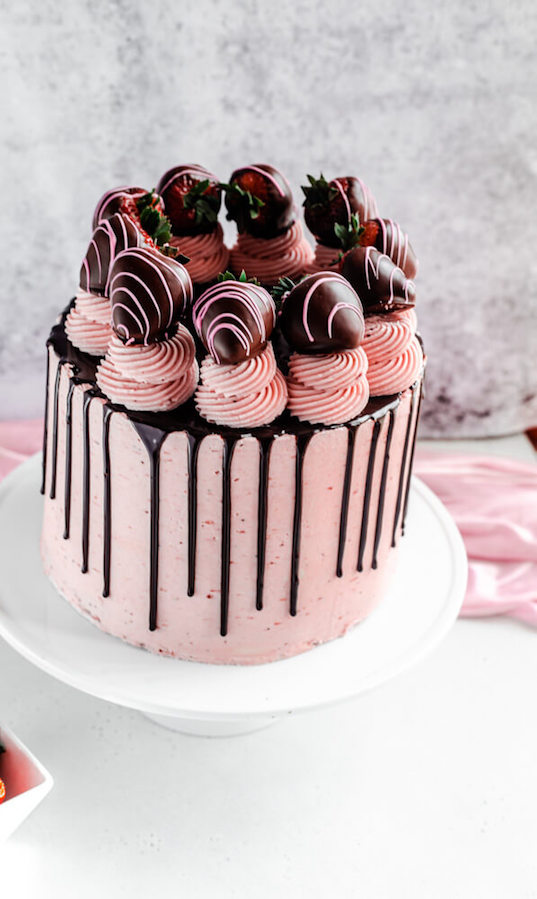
(382, 492)
(45, 428)
(61, 363)
(153, 438)
(411, 463)
(229, 447)
(367, 495)
(107, 524)
(194, 444)
(88, 396)
(403, 466)
(351, 440)
(265, 444)
(68, 463)
(302, 441)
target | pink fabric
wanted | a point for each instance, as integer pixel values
(492, 499)
(494, 503)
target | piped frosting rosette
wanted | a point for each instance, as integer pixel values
(152, 378)
(288, 255)
(328, 389)
(88, 323)
(249, 394)
(394, 352)
(207, 253)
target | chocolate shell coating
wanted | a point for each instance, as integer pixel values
(268, 184)
(234, 320)
(149, 292)
(173, 187)
(113, 201)
(110, 237)
(389, 238)
(322, 314)
(380, 284)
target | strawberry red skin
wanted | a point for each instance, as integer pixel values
(173, 188)
(321, 219)
(277, 213)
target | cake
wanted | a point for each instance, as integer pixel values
(229, 433)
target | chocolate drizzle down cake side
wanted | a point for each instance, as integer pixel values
(227, 459)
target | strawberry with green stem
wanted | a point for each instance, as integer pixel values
(192, 198)
(259, 199)
(331, 203)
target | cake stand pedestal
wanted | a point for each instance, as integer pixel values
(226, 700)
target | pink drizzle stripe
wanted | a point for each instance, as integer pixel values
(317, 283)
(288, 255)
(207, 253)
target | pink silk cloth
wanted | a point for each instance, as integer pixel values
(492, 499)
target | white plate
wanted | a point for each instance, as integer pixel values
(424, 602)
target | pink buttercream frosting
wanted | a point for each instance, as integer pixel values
(325, 258)
(154, 377)
(288, 255)
(207, 253)
(88, 323)
(328, 389)
(250, 394)
(393, 350)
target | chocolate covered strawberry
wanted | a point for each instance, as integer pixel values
(192, 198)
(234, 319)
(380, 284)
(321, 314)
(389, 238)
(331, 203)
(259, 200)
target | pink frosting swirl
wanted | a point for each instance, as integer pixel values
(329, 389)
(325, 259)
(151, 378)
(394, 352)
(88, 323)
(250, 394)
(207, 253)
(288, 255)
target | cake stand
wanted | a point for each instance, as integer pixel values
(216, 700)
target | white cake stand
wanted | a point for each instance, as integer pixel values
(216, 700)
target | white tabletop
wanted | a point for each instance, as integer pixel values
(425, 788)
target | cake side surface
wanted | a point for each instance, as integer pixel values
(115, 491)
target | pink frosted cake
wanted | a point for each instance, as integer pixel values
(229, 433)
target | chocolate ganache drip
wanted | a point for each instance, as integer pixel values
(148, 292)
(234, 320)
(322, 314)
(110, 238)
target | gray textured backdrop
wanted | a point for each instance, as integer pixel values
(433, 107)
